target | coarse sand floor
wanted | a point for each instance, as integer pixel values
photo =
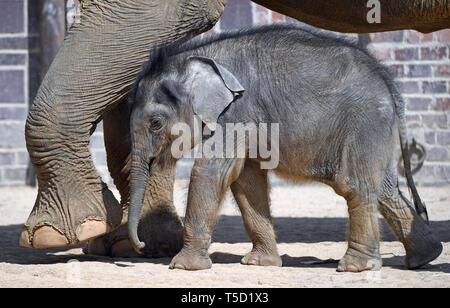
(311, 223)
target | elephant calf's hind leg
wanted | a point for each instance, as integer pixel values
(420, 243)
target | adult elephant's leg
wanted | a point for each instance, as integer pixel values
(160, 227)
(93, 71)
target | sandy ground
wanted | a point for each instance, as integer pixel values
(311, 227)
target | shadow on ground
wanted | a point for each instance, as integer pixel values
(229, 229)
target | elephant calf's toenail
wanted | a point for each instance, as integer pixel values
(91, 229)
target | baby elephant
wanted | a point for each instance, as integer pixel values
(330, 112)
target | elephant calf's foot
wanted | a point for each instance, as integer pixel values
(424, 250)
(191, 260)
(67, 216)
(355, 262)
(160, 229)
(112, 247)
(261, 259)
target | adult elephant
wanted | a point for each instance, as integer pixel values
(92, 75)
(351, 15)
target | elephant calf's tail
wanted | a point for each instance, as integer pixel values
(400, 111)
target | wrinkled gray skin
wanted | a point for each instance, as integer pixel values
(340, 119)
(87, 82)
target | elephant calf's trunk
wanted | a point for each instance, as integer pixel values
(139, 178)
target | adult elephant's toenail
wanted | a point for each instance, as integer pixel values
(48, 237)
(24, 240)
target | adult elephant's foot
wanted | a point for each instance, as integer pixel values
(191, 260)
(355, 261)
(70, 213)
(161, 230)
(262, 259)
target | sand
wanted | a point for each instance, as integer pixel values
(310, 221)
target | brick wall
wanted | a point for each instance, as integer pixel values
(19, 78)
(420, 64)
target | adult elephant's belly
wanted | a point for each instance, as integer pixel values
(92, 72)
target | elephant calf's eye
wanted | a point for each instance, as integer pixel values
(156, 124)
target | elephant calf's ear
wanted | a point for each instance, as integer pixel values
(211, 89)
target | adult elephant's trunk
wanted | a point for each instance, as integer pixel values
(140, 164)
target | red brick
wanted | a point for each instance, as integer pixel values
(413, 121)
(419, 70)
(415, 37)
(261, 15)
(434, 53)
(443, 36)
(442, 70)
(442, 104)
(381, 53)
(277, 17)
(393, 36)
(433, 87)
(406, 54)
(397, 71)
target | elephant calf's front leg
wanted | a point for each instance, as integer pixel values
(251, 192)
(209, 181)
